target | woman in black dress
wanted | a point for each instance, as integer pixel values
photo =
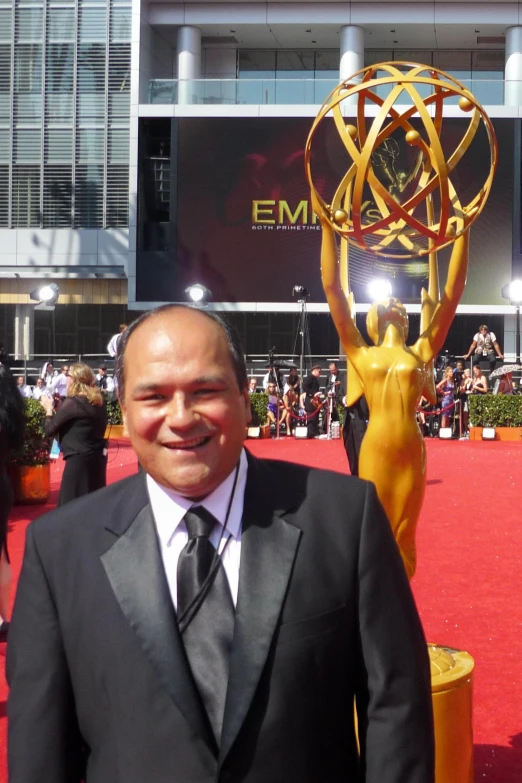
(11, 437)
(79, 426)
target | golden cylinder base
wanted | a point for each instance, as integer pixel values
(451, 687)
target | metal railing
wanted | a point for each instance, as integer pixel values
(236, 92)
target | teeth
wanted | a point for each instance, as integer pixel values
(189, 445)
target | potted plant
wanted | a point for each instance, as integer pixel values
(29, 466)
(115, 427)
(258, 406)
(501, 411)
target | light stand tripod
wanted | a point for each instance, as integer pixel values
(303, 333)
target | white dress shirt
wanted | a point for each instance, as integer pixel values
(59, 385)
(169, 509)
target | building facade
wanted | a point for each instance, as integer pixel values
(99, 100)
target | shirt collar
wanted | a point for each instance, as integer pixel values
(169, 508)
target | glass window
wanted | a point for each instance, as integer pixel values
(26, 144)
(88, 198)
(117, 197)
(118, 145)
(91, 68)
(26, 196)
(5, 24)
(59, 75)
(295, 64)
(5, 145)
(120, 23)
(61, 24)
(93, 24)
(57, 196)
(28, 68)
(257, 64)
(5, 68)
(90, 143)
(327, 60)
(29, 24)
(4, 197)
(376, 56)
(58, 144)
(119, 68)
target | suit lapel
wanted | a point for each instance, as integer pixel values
(268, 549)
(136, 574)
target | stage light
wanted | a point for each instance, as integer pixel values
(379, 289)
(46, 294)
(198, 294)
(300, 291)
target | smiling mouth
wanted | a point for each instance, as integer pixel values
(188, 445)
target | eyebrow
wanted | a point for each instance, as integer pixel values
(202, 381)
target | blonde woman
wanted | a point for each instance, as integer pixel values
(79, 425)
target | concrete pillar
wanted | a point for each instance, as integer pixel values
(189, 64)
(352, 51)
(24, 331)
(513, 70)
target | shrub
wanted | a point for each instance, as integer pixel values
(114, 412)
(258, 405)
(502, 410)
(35, 448)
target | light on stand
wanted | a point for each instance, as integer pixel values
(198, 294)
(379, 289)
(46, 295)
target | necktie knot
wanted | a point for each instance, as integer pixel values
(199, 522)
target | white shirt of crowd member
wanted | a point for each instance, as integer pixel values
(48, 373)
(112, 347)
(60, 383)
(479, 346)
(39, 389)
(106, 382)
(23, 388)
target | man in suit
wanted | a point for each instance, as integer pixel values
(305, 602)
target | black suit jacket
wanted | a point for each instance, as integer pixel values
(100, 685)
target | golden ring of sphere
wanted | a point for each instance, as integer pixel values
(416, 226)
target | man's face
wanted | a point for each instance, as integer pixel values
(253, 384)
(316, 373)
(20, 380)
(183, 409)
(102, 371)
(65, 370)
(333, 369)
(40, 382)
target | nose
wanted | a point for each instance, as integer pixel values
(180, 413)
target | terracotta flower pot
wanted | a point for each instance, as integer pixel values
(31, 483)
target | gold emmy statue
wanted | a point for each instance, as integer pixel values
(414, 213)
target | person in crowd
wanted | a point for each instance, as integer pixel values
(293, 381)
(156, 652)
(24, 388)
(103, 381)
(79, 426)
(252, 385)
(480, 382)
(291, 409)
(12, 422)
(112, 347)
(484, 347)
(275, 406)
(310, 399)
(48, 374)
(38, 389)
(335, 391)
(504, 384)
(355, 424)
(4, 356)
(274, 375)
(446, 389)
(60, 384)
(465, 389)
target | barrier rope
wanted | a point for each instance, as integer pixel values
(306, 417)
(439, 411)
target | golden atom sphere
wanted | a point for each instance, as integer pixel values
(416, 209)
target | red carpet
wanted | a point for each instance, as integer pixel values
(468, 582)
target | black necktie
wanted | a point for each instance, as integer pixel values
(205, 614)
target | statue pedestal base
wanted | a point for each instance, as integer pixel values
(451, 687)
